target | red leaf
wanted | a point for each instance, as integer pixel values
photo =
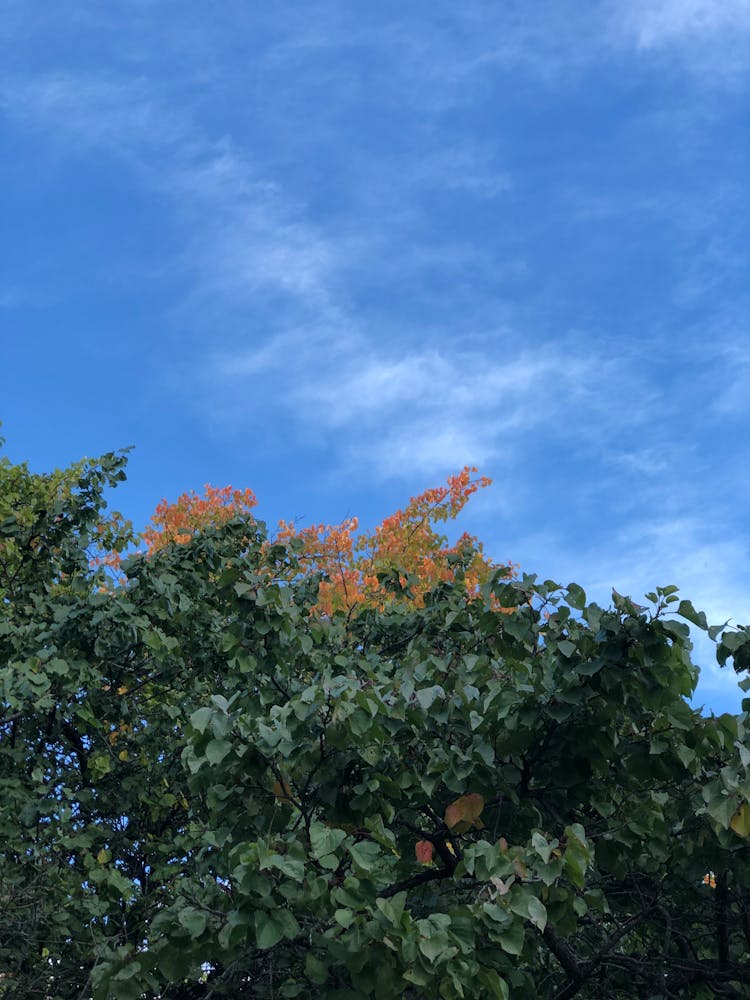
(423, 851)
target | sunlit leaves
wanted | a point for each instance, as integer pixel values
(176, 523)
(400, 560)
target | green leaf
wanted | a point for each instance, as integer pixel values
(537, 913)
(427, 696)
(364, 854)
(344, 917)
(576, 856)
(493, 985)
(576, 596)
(268, 930)
(434, 948)
(722, 809)
(392, 908)
(291, 989)
(542, 847)
(194, 921)
(200, 718)
(324, 840)
(511, 938)
(171, 962)
(289, 866)
(217, 750)
(686, 610)
(315, 970)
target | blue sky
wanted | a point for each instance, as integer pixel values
(336, 251)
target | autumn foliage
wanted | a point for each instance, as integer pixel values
(402, 558)
(176, 523)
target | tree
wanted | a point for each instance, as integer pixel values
(217, 783)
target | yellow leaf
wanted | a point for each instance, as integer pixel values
(464, 813)
(123, 755)
(740, 822)
(122, 690)
(103, 856)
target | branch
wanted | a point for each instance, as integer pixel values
(579, 974)
(415, 880)
(722, 924)
(569, 963)
(73, 735)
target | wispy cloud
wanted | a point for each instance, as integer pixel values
(92, 111)
(244, 235)
(711, 36)
(733, 395)
(660, 22)
(435, 408)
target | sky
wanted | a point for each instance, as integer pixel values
(337, 251)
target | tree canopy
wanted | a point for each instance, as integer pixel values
(340, 766)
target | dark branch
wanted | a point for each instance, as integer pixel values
(415, 880)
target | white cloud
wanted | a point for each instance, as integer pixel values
(432, 408)
(659, 22)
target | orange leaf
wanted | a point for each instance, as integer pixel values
(464, 813)
(282, 791)
(406, 548)
(423, 850)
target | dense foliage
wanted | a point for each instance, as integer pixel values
(461, 784)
